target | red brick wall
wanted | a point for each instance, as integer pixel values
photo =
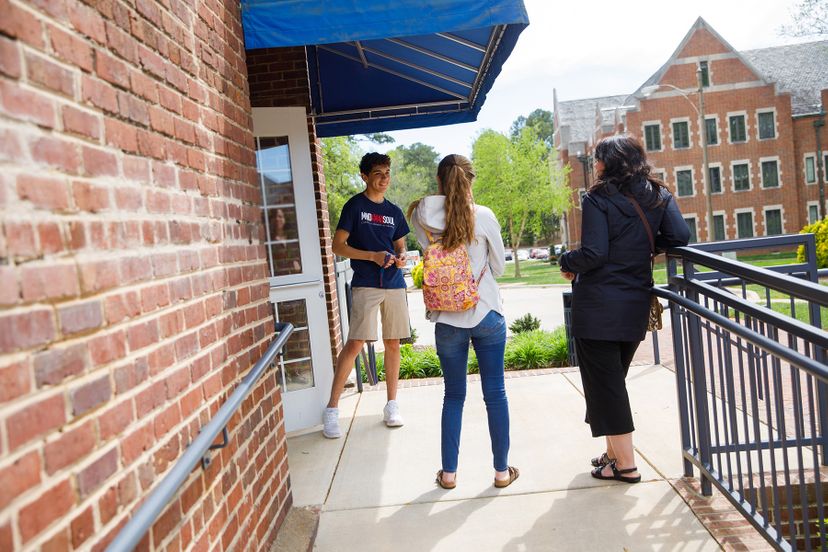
(279, 78)
(132, 276)
(794, 138)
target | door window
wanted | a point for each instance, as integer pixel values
(279, 206)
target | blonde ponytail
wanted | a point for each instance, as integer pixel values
(456, 175)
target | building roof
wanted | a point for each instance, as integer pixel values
(580, 115)
(798, 69)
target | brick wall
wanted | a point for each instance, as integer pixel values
(132, 280)
(279, 78)
(735, 88)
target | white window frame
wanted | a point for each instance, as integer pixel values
(775, 123)
(721, 177)
(808, 206)
(778, 172)
(695, 218)
(663, 172)
(718, 130)
(733, 176)
(781, 210)
(644, 126)
(692, 179)
(747, 126)
(736, 213)
(689, 133)
(812, 156)
(723, 214)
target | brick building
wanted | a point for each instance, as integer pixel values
(163, 202)
(760, 107)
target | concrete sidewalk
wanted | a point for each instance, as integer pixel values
(376, 485)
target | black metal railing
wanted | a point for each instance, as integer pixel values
(753, 384)
(198, 452)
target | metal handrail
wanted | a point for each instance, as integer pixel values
(132, 533)
(806, 290)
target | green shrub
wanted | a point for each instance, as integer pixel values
(410, 340)
(474, 368)
(525, 323)
(417, 275)
(820, 231)
(536, 349)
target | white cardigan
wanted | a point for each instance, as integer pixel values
(487, 248)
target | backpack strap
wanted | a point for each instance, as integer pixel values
(430, 236)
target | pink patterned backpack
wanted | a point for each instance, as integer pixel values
(448, 283)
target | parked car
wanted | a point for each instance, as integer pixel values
(540, 253)
(508, 254)
(523, 254)
(412, 258)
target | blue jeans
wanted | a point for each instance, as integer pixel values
(489, 340)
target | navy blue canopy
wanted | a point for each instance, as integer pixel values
(378, 66)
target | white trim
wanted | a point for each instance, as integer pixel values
(715, 117)
(747, 126)
(717, 164)
(774, 158)
(737, 212)
(805, 157)
(689, 133)
(723, 214)
(692, 179)
(695, 219)
(808, 211)
(709, 90)
(781, 210)
(644, 126)
(708, 58)
(775, 123)
(659, 172)
(733, 175)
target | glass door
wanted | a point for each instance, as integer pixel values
(294, 261)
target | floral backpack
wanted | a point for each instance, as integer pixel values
(448, 282)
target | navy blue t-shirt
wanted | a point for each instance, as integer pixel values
(373, 227)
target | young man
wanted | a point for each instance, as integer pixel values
(371, 232)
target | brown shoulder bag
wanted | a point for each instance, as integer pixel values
(656, 310)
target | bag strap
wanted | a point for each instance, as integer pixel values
(645, 221)
(430, 236)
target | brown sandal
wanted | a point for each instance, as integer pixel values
(443, 484)
(514, 473)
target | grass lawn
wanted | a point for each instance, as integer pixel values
(542, 272)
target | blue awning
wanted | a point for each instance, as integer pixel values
(378, 66)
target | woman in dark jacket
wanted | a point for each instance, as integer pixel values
(612, 277)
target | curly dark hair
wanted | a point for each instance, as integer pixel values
(373, 159)
(624, 162)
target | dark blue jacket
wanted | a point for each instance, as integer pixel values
(611, 293)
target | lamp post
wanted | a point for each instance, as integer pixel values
(706, 184)
(818, 124)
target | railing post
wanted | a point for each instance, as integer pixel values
(699, 386)
(681, 370)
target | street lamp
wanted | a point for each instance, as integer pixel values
(818, 124)
(706, 184)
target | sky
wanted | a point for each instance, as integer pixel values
(597, 48)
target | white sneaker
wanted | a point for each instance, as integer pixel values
(330, 423)
(391, 414)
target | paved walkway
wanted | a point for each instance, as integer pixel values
(376, 490)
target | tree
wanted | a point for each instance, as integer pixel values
(810, 17)
(520, 180)
(340, 158)
(540, 120)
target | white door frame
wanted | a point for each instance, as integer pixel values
(302, 408)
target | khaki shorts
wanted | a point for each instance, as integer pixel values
(392, 305)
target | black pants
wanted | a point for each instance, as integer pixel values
(604, 366)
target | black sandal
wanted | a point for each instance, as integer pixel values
(617, 475)
(601, 461)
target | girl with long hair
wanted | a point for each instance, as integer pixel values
(459, 222)
(612, 284)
